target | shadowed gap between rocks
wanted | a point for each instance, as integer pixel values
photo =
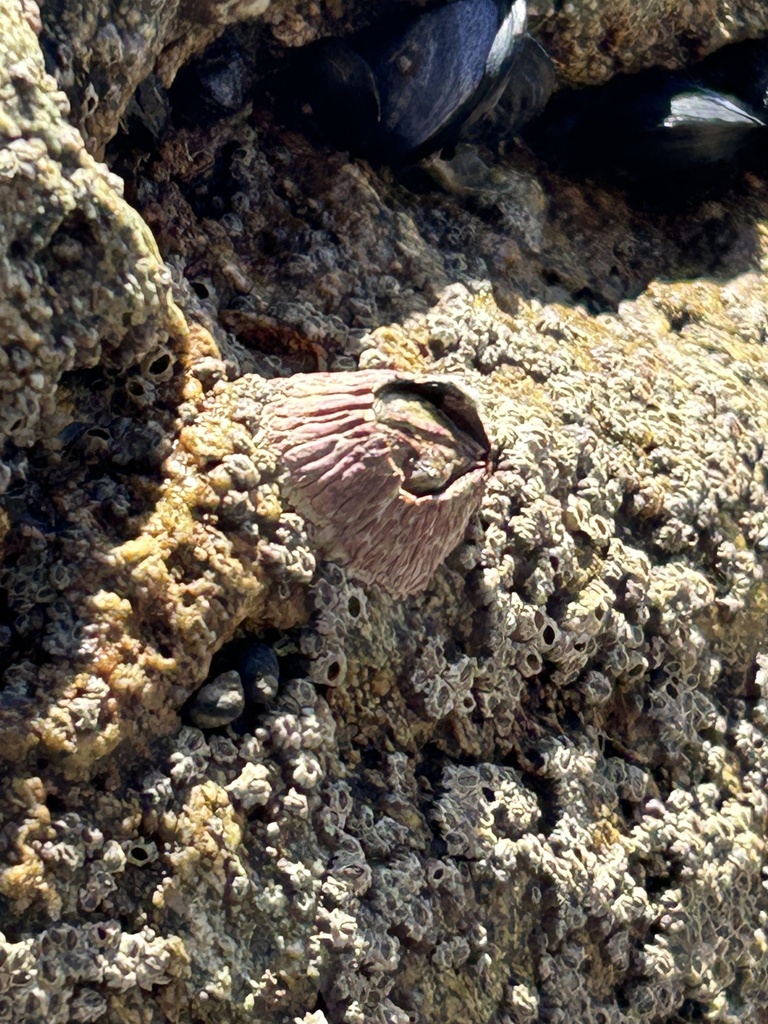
(275, 212)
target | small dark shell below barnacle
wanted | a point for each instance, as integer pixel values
(385, 468)
(218, 702)
(259, 670)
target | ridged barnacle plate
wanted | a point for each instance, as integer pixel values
(385, 467)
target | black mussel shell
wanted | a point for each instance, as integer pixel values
(213, 86)
(327, 90)
(445, 70)
(531, 85)
(259, 670)
(407, 89)
(645, 126)
(703, 127)
(146, 117)
(740, 70)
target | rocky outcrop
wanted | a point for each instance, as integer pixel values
(533, 789)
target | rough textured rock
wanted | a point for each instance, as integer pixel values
(593, 40)
(81, 280)
(534, 791)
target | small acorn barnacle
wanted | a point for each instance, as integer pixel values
(386, 468)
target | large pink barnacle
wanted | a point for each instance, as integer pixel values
(385, 467)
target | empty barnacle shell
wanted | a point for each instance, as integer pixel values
(386, 468)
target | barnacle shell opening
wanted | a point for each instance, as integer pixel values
(386, 468)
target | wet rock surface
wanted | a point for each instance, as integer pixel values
(531, 790)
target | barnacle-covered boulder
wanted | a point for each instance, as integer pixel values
(590, 42)
(81, 280)
(506, 764)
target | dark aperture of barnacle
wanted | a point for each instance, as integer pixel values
(385, 468)
(427, 445)
(407, 89)
(531, 86)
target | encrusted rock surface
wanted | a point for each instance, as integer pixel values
(534, 790)
(592, 40)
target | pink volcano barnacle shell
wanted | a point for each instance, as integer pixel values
(387, 468)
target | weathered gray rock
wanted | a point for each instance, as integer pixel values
(81, 280)
(534, 790)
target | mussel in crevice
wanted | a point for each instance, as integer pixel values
(328, 90)
(214, 85)
(401, 92)
(740, 70)
(676, 129)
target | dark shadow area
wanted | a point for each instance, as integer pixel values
(299, 250)
(71, 498)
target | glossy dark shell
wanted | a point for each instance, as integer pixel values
(703, 127)
(679, 129)
(531, 85)
(446, 69)
(408, 89)
(215, 85)
(328, 91)
(740, 70)
(645, 126)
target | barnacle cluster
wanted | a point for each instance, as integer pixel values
(531, 788)
(79, 966)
